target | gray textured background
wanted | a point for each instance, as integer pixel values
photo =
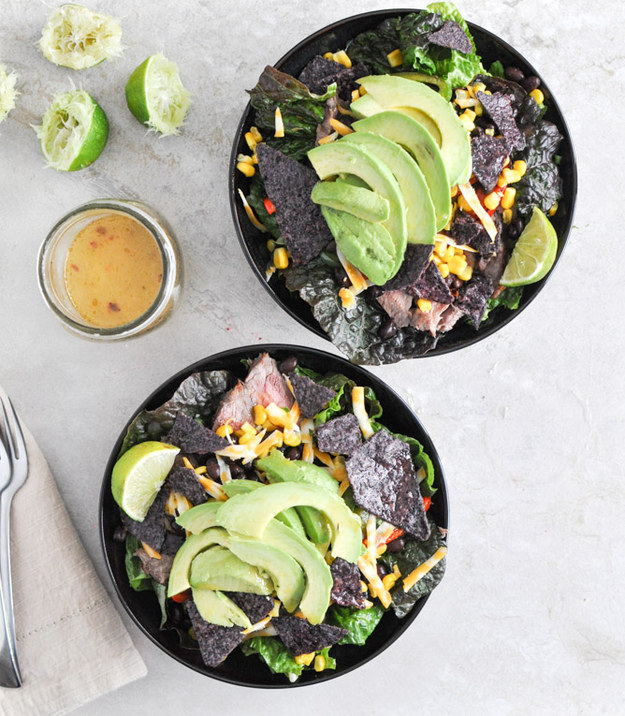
(529, 423)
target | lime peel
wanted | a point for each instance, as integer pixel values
(8, 93)
(79, 38)
(534, 253)
(138, 475)
(156, 96)
(73, 131)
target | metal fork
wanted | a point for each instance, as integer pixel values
(13, 474)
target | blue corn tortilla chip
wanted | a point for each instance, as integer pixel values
(173, 542)
(255, 606)
(488, 155)
(346, 588)
(451, 35)
(468, 230)
(185, 482)
(414, 264)
(321, 72)
(431, 286)
(301, 637)
(152, 530)
(340, 435)
(289, 185)
(310, 396)
(383, 479)
(473, 297)
(215, 641)
(500, 109)
(192, 437)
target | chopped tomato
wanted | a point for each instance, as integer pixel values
(427, 501)
(269, 206)
(182, 596)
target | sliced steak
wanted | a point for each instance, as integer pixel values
(428, 321)
(236, 408)
(398, 305)
(158, 569)
(266, 384)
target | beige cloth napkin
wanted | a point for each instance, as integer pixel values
(71, 642)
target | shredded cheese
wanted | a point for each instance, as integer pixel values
(372, 542)
(447, 240)
(280, 418)
(468, 192)
(279, 123)
(357, 279)
(370, 573)
(358, 406)
(213, 488)
(307, 450)
(420, 571)
(224, 470)
(151, 552)
(250, 213)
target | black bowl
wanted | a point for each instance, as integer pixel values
(248, 670)
(332, 38)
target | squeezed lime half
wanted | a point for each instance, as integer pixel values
(156, 96)
(73, 131)
(79, 38)
(8, 93)
(138, 475)
(534, 253)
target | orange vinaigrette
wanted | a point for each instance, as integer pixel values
(113, 271)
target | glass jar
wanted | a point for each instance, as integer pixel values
(53, 257)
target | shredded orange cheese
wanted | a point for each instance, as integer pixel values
(420, 571)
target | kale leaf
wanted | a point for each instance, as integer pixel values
(295, 147)
(541, 185)
(138, 579)
(273, 652)
(359, 623)
(372, 47)
(256, 199)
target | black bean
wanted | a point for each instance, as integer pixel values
(396, 545)
(175, 612)
(341, 277)
(120, 534)
(514, 74)
(383, 570)
(212, 468)
(331, 247)
(237, 471)
(293, 453)
(387, 330)
(288, 365)
(531, 83)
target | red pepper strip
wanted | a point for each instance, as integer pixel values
(269, 206)
(427, 501)
(182, 596)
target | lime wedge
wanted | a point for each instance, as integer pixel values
(73, 131)
(156, 96)
(8, 93)
(534, 253)
(138, 475)
(78, 38)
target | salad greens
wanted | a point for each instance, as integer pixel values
(359, 623)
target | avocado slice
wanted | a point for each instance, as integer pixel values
(316, 597)
(420, 217)
(363, 203)
(284, 571)
(344, 158)
(398, 92)
(218, 568)
(411, 135)
(249, 514)
(216, 608)
(236, 487)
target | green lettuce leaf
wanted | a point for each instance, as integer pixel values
(198, 395)
(509, 298)
(295, 147)
(373, 46)
(330, 660)
(421, 460)
(359, 623)
(137, 578)
(273, 652)
(416, 49)
(161, 594)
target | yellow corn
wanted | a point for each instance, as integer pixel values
(457, 264)
(151, 552)
(247, 169)
(424, 305)
(490, 132)
(444, 269)
(246, 438)
(439, 248)
(507, 216)
(245, 159)
(466, 121)
(382, 548)
(553, 209)
(271, 245)
(279, 124)
(511, 176)
(187, 463)
(342, 58)
(468, 114)
(201, 470)
(508, 198)
(537, 96)
(269, 426)
(320, 662)
(248, 428)
(437, 259)
(491, 201)
(339, 127)
(520, 167)
(389, 581)
(396, 571)
(255, 132)
(224, 430)
(450, 252)
(280, 258)
(395, 58)
(292, 438)
(479, 111)
(355, 95)
(260, 415)
(251, 142)
(464, 204)
(454, 191)
(502, 180)
(305, 659)
(478, 87)
(466, 274)
(328, 56)
(362, 90)
(363, 586)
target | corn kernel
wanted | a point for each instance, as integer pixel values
(362, 90)
(395, 58)
(507, 216)
(508, 198)
(454, 191)
(502, 180)
(478, 87)
(271, 245)
(464, 204)
(255, 132)
(489, 132)
(320, 662)
(342, 58)
(245, 158)
(382, 548)
(468, 123)
(389, 581)
(355, 95)
(425, 306)
(491, 201)
(224, 430)
(363, 586)
(511, 176)
(292, 438)
(305, 659)
(328, 56)
(537, 96)
(248, 429)
(251, 142)
(449, 253)
(457, 265)
(280, 258)
(466, 274)
(439, 248)
(444, 269)
(468, 114)
(260, 414)
(479, 111)
(553, 209)
(520, 167)
(247, 169)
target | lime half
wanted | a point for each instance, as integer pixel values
(78, 38)
(138, 475)
(156, 96)
(534, 253)
(73, 131)
(8, 93)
